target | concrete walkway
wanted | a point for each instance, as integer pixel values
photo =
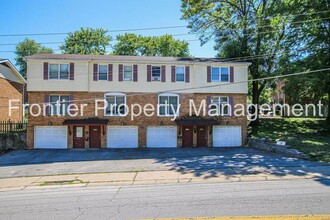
(143, 178)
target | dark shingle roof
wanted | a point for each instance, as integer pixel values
(87, 121)
(124, 58)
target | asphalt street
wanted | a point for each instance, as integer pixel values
(178, 200)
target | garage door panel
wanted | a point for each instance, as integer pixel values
(161, 136)
(122, 137)
(227, 136)
(51, 137)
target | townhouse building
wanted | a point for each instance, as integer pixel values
(92, 101)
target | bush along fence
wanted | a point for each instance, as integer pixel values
(7, 127)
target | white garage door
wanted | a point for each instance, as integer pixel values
(122, 137)
(227, 136)
(162, 136)
(51, 137)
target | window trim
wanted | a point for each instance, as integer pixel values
(160, 73)
(220, 77)
(184, 74)
(98, 72)
(131, 80)
(58, 71)
(115, 94)
(167, 95)
(219, 104)
(51, 103)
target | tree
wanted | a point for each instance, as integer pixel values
(241, 28)
(137, 45)
(128, 44)
(26, 48)
(310, 43)
(86, 41)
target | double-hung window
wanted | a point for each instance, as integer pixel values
(59, 104)
(179, 74)
(103, 72)
(155, 71)
(220, 74)
(116, 104)
(168, 104)
(128, 73)
(59, 71)
(219, 105)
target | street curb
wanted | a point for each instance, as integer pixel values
(132, 178)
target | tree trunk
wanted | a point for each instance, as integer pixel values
(328, 117)
(255, 101)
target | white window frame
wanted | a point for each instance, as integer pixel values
(127, 79)
(54, 106)
(98, 72)
(167, 110)
(219, 103)
(58, 71)
(184, 73)
(220, 75)
(115, 94)
(160, 73)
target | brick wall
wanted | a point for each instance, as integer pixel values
(10, 90)
(142, 121)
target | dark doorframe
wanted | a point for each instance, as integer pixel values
(187, 136)
(202, 136)
(94, 136)
(78, 136)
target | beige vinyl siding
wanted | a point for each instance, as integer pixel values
(240, 75)
(36, 82)
(84, 80)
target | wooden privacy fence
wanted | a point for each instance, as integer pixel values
(10, 127)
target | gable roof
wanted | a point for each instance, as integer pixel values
(7, 63)
(116, 58)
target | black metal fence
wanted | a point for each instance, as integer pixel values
(10, 127)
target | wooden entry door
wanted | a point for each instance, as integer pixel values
(78, 136)
(201, 136)
(187, 136)
(94, 136)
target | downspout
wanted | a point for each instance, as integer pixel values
(22, 104)
(88, 81)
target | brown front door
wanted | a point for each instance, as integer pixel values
(78, 136)
(201, 136)
(94, 136)
(187, 136)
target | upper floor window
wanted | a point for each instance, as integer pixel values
(155, 71)
(128, 73)
(219, 105)
(220, 74)
(58, 71)
(103, 72)
(168, 104)
(59, 104)
(179, 74)
(116, 104)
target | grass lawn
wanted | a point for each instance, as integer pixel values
(308, 135)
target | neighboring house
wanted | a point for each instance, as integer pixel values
(12, 87)
(80, 79)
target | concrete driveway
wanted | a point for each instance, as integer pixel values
(204, 161)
